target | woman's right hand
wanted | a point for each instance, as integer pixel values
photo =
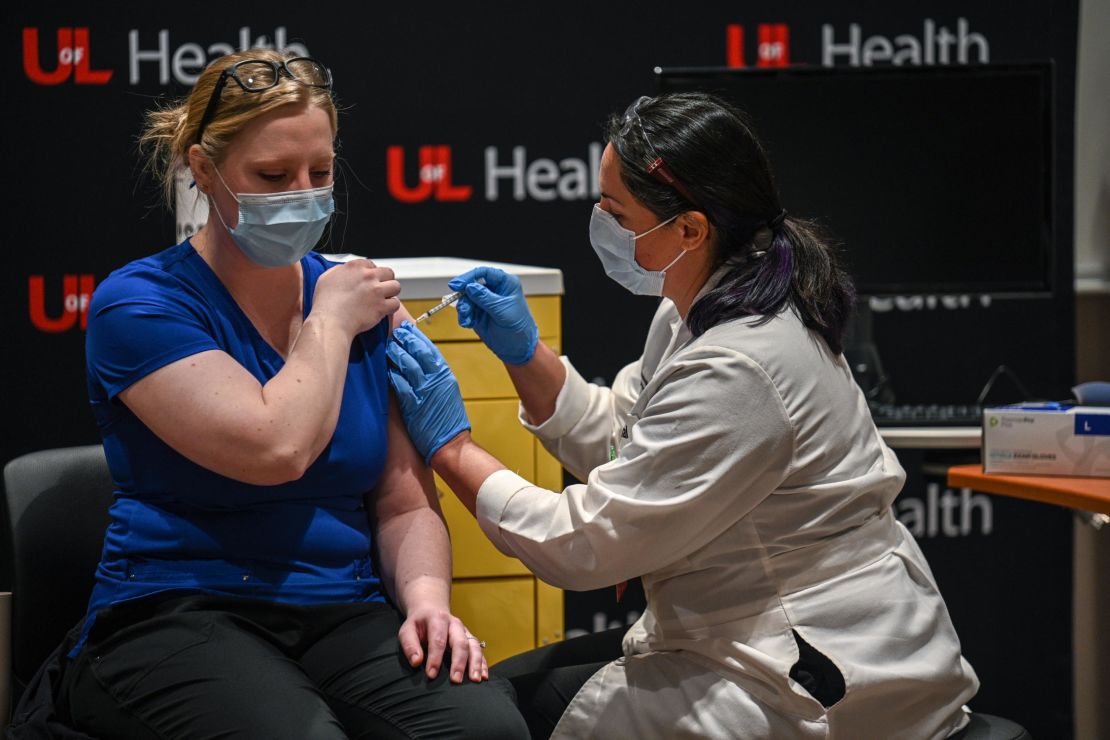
(495, 307)
(357, 293)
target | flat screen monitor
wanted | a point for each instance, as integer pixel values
(935, 180)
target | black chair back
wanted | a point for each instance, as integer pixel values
(51, 533)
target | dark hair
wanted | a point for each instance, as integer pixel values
(708, 147)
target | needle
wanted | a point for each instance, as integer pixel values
(447, 301)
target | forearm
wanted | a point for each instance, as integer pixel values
(538, 382)
(416, 565)
(303, 399)
(464, 466)
(215, 412)
(416, 559)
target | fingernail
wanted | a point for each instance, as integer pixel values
(457, 676)
(475, 676)
(432, 673)
(414, 659)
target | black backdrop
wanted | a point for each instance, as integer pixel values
(478, 81)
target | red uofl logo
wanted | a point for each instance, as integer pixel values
(772, 49)
(76, 292)
(433, 176)
(72, 59)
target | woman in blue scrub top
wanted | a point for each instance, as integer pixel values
(276, 565)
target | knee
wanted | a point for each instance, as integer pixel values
(494, 713)
(321, 724)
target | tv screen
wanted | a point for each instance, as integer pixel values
(936, 180)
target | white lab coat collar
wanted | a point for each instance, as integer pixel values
(682, 333)
(717, 276)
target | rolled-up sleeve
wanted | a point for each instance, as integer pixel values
(711, 443)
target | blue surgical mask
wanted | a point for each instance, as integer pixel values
(616, 247)
(277, 229)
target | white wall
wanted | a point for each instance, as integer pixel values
(1092, 161)
(1091, 627)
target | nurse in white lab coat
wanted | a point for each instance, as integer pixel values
(734, 467)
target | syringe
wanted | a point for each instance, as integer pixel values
(447, 301)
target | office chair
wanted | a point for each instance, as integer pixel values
(51, 532)
(989, 727)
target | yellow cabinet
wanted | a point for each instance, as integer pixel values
(495, 595)
(549, 613)
(496, 428)
(501, 611)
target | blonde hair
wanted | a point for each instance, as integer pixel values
(172, 128)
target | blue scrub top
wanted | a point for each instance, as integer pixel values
(178, 526)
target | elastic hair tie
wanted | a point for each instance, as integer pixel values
(776, 222)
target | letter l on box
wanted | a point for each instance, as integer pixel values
(1092, 424)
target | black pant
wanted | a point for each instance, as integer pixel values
(547, 678)
(207, 667)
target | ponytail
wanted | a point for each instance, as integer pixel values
(163, 145)
(798, 268)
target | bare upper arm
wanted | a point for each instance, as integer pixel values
(401, 314)
(211, 410)
(406, 483)
(208, 408)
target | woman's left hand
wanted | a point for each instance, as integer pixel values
(440, 630)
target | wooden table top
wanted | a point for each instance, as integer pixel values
(1087, 494)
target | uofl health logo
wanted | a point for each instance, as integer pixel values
(71, 58)
(430, 176)
(50, 60)
(54, 316)
(433, 178)
(772, 47)
(937, 43)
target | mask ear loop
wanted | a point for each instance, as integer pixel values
(659, 225)
(681, 254)
(224, 182)
(212, 199)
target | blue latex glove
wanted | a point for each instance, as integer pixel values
(426, 390)
(498, 312)
(1094, 393)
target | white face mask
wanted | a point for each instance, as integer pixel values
(616, 247)
(277, 229)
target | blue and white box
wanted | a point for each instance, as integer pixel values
(1047, 439)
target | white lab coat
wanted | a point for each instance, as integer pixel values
(751, 492)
